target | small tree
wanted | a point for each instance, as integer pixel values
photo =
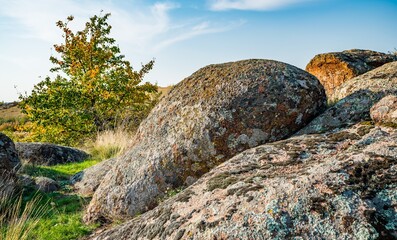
(95, 88)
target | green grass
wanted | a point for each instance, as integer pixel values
(62, 219)
(60, 172)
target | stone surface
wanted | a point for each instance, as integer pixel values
(9, 160)
(382, 79)
(354, 99)
(48, 154)
(9, 164)
(46, 184)
(209, 117)
(385, 111)
(335, 68)
(87, 181)
(340, 185)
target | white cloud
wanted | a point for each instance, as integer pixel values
(146, 28)
(223, 5)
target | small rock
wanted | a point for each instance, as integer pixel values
(46, 184)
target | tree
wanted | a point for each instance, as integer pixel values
(94, 89)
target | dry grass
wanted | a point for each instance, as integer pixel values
(17, 219)
(111, 143)
(164, 90)
(11, 113)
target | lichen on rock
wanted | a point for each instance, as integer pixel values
(335, 68)
(216, 113)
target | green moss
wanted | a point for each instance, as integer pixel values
(221, 181)
(367, 123)
(389, 124)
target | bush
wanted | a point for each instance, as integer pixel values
(97, 89)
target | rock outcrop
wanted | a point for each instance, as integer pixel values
(384, 112)
(87, 181)
(333, 69)
(340, 185)
(380, 80)
(212, 115)
(48, 154)
(354, 100)
(9, 164)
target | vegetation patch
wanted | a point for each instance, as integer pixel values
(221, 181)
(56, 215)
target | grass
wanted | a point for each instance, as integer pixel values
(110, 143)
(11, 113)
(18, 219)
(63, 214)
(58, 172)
(62, 220)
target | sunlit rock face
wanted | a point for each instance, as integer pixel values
(209, 117)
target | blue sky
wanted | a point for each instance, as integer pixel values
(184, 36)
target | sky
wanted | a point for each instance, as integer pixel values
(185, 35)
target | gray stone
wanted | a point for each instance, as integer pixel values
(207, 118)
(88, 180)
(48, 154)
(9, 164)
(46, 184)
(385, 111)
(354, 99)
(340, 185)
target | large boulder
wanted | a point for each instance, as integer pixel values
(87, 181)
(340, 185)
(335, 68)
(48, 154)
(207, 118)
(354, 99)
(9, 164)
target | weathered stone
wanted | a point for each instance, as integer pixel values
(88, 180)
(340, 185)
(46, 184)
(48, 154)
(354, 99)
(209, 117)
(385, 111)
(9, 160)
(335, 68)
(9, 164)
(380, 80)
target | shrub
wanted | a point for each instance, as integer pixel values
(94, 87)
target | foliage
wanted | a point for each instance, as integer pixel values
(94, 89)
